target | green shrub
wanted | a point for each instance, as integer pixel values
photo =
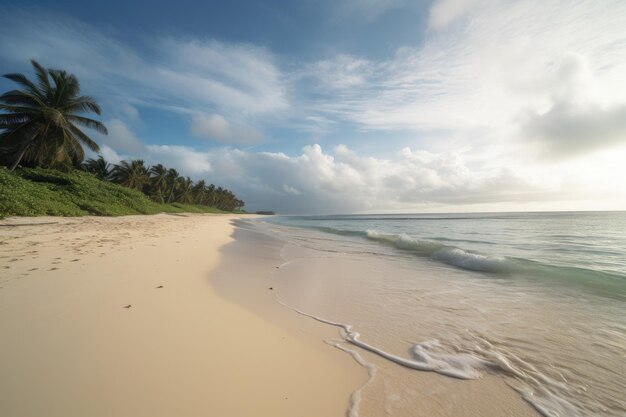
(46, 192)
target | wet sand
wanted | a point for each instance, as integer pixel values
(309, 280)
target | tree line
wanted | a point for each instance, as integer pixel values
(40, 126)
(163, 185)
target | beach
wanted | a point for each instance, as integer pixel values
(483, 314)
(312, 287)
(116, 317)
(239, 315)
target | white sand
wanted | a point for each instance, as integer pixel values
(68, 347)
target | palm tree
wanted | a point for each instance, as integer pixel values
(158, 180)
(40, 123)
(133, 174)
(211, 195)
(199, 192)
(100, 167)
(172, 182)
(185, 187)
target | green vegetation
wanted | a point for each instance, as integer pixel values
(163, 185)
(39, 130)
(40, 192)
(40, 123)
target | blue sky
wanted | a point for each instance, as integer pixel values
(353, 105)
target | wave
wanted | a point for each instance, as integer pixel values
(600, 282)
(447, 254)
(604, 283)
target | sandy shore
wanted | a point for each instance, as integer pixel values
(310, 280)
(70, 347)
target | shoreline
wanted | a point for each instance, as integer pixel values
(71, 348)
(300, 305)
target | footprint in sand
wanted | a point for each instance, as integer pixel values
(53, 269)
(75, 260)
(33, 269)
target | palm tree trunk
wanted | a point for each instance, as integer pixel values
(19, 157)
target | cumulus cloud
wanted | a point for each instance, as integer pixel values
(120, 138)
(215, 127)
(187, 160)
(567, 130)
(342, 180)
(109, 155)
(575, 121)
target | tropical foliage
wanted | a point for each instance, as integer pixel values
(99, 167)
(40, 127)
(164, 185)
(41, 122)
(50, 192)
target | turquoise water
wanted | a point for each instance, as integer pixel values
(538, 298)
(571, 248)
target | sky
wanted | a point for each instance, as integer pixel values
(336, 106)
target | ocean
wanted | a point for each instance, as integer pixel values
(535, 299)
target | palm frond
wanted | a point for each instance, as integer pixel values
(60, 85)
(83, 104)
(82, 137)
(22, 97)
(42, 76)
(23, 81)
(12, 119)
(90, 123)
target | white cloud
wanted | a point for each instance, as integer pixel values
(576, 121)
(109, 155)
(567, 130)
(343, 180)
(291, 190)
(183, 75)
(186, 160)
(240, 76)
(480, 74)
(341, 72)
(130, 112)
(120, 138)
(216, 127)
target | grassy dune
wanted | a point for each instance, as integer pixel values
(44, 192)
